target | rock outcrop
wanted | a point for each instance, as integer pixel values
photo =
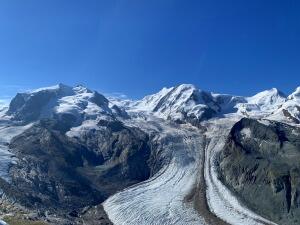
(261, 164)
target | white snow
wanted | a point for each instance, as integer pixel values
(149, 102)
(291, 107)
(246, 132)
(264, 122)
(267, 99)
(7, 132)
(262, 104)
(228, 103)
(80, 105)
(86, 126)
(3, 223)
(295, 95)
(54, 87)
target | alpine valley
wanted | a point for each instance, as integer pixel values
(69, 155)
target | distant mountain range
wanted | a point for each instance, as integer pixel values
(70, 155)
(188, 102)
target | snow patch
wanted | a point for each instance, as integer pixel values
(246, 132)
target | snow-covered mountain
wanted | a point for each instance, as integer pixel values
(262, 103)
(75, 104)
(179, 103)
(289, 110)
(70, 155)
(187, 102)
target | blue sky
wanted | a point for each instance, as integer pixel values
(137, 47)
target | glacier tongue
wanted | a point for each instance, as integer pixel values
(161, 199)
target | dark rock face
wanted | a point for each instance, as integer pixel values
(99, 100)
(261, 164)
(46, 172)
(125, 152)
(24, 108)
(63, 175)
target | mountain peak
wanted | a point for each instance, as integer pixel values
(295, 94)
(185, 86)
(272, 91)
(179, 102)
(267, 97)
(82, 89)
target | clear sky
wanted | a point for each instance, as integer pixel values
(137, 47)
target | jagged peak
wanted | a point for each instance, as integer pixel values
(186, 87)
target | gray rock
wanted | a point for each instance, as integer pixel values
(261, 164)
